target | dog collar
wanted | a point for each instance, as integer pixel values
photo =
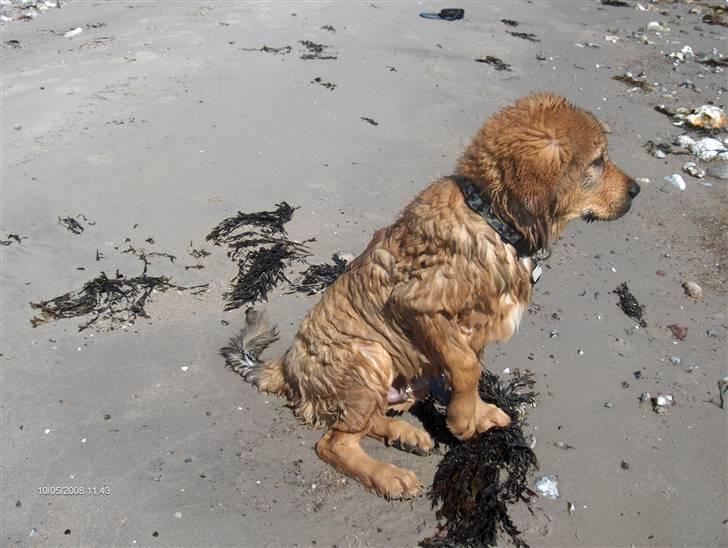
(478, 203)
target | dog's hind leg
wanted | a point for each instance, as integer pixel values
(400, 434)
(363, 402)
(342, 451)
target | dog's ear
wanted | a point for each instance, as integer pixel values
(540, 160)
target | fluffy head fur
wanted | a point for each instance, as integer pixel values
(543, 162)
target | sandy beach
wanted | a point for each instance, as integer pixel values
(157, 120)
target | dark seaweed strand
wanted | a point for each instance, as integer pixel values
(477, 480)
(629, 304)
(259, 272)
(117, 299)
(270, 222)
(318, 277)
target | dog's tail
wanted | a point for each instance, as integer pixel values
(242, 354)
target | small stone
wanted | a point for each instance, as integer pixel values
(184, 368)
(679, 332)
(692, 289)
(570, 508)
(67, 532)
(107, 417)
(712, 333)
(18, 504)
(684, 141)
(664, 400)
(178, 514)
(624, 466)
(676, 180)
(674, 360)
(643, 181)
(659, 154)
(580, 352)
(18, 127)
(609, 404)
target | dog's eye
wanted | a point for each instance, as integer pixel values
(599, 162)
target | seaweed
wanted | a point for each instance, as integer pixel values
(371, 121)
(13, 237)
(318, 277)
(478, 479)
(525, 36)
(267, 49)
(258, 273)
(510, 22)
(315, 51)
(259, 244)
(615, 3)
(629, 304)
(71, 224)
(117, 299)
(495, 62)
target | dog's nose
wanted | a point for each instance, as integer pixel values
(634, 189)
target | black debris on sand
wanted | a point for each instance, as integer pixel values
(495, 62)
(629, 304)
(510, 22)
(318, 277)
(478, 479)
(258, 242)
(13, 238)
(616, 3)
(284, 50)
(632, 81)
(371, 121)
(72, 225)
(525, 36)
(315, 51)
(328, 85)
(116, 300)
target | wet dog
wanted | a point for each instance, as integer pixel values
(452, 274)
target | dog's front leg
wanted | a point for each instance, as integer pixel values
(447, 345)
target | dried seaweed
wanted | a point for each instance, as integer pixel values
(328, 85)
(318, 277)
(478, 479)
(495, 62)
(616, 3)
(315, 51)
(525, 36)
(117, 300)
(71, 225)
(13, 237)
(510, 22)
(629, 304)
(268, 222)
(258, 273)
(198, 253)
(267, 49)
(259, 244)
(371, 121)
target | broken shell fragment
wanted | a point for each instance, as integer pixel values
(708, 149)
(548, 486)
(708, 116)
(691, 168)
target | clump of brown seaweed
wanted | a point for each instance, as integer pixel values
(478, 479)
(258, 242)
(118, 299)
(629, 304)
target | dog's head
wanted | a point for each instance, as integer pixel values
(544, 162)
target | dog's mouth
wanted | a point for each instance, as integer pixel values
(589, 216)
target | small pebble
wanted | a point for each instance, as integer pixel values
(580, 352)
(184, 368)
(178, 514)
(692, 289)
(676, 180)
(674, 360)
(609, 404)
(624, 466)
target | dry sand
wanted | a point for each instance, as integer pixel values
(158, 124)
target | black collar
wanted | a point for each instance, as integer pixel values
(484, 208)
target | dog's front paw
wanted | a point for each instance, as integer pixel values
(463, 428)
(489, 416)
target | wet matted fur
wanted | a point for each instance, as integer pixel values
(434, 288)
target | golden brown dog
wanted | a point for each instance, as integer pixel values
(431, 290)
